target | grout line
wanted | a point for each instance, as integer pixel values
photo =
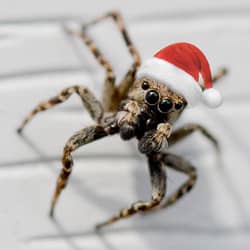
(48, 159)
(194, 14)
(38, 20)
(186, 229)
(184, 14)
(23, 74)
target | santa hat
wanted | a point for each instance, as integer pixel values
(180, 67)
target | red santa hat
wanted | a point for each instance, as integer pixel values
(180, 67)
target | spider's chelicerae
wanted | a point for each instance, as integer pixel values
(144, 105)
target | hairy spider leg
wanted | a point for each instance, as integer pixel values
(189, 129)
(80, 138)
(158, 181)
(219, 74)
(112, 95)
(180, 165)
(129, 77)
(92, 105)
(109, 99)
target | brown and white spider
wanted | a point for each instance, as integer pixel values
(144, 105)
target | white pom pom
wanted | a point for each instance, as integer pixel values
(212, 98)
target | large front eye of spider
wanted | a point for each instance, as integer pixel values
(165, 105)
(152, 97)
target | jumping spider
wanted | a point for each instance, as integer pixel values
(141, 106)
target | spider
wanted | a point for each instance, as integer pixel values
(145, 106)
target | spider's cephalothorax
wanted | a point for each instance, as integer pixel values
(148, 113)
(144, 105)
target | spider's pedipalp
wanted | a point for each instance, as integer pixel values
(155, 140)
(128, 119)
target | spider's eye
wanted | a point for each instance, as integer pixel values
(178, 105)
(152, 97)
(165, 105)
(145, 85)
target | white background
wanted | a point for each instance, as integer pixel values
(37, 60)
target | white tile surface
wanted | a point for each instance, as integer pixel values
(38, 60)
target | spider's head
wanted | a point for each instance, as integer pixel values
(158, 99)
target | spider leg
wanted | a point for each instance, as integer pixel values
(128, 80)
(185, 167)
(92, 105)
(219, 74)
(112, 95)
(126, 83)
(158, 181)
(82, 137)
(109, 98)
(116, 16)
(187, 130)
